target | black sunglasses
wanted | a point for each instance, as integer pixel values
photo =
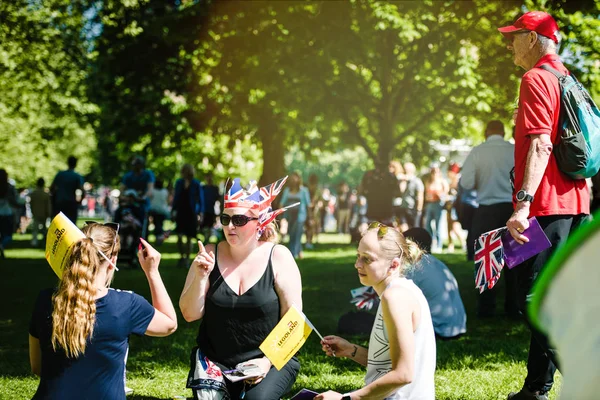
(238, 220)
(112, 225)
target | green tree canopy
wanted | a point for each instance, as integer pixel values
(234, 86)
(44, 109)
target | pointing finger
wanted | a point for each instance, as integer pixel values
(201, 248)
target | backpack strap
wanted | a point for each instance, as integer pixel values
(552, 70)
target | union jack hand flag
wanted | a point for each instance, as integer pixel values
(489, 259)
(365, 297)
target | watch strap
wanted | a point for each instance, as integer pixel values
(526, 196)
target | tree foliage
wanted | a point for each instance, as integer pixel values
(234, 86)
(44, 111)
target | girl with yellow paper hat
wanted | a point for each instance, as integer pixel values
(78, 337)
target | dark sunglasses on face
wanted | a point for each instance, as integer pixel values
(112, 225)
(237, 220)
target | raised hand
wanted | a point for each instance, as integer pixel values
(148, 256)
(204, 262)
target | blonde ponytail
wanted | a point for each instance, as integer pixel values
(74, 303)
(413, 254)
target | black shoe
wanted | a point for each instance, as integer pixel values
(526, 394)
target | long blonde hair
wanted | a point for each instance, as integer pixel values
(74, 303)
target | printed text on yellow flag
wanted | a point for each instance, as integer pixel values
(286, 338)
(62, 234)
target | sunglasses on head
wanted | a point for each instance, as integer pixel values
(237, 219)
(382, 231)
(112, 225)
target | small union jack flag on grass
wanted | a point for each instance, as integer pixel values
(364, 297)
(489, 259)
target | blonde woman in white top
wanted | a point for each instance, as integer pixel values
(400, 359)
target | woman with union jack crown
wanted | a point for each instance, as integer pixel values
(240, 288)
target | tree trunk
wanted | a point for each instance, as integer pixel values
(273, 152)
(386, 142)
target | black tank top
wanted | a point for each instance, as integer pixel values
(234, 326)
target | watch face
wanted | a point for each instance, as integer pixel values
(520, 195)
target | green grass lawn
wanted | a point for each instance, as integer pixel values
(486, 363)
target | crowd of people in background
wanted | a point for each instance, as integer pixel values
(143, 202)
(451, 204)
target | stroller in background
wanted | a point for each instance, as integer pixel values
(131, 217)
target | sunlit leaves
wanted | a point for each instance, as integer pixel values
(44, 109)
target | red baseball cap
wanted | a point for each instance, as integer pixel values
(537, 21)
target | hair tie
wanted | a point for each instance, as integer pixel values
(90, 239)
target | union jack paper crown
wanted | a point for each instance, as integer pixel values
(256, 199)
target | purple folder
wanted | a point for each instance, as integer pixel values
(304, 394)
(515, 253)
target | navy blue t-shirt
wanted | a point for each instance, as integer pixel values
(98, 373)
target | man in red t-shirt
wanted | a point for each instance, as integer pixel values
(558, 202)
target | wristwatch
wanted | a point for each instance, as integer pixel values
(346, 397)
(524, 196)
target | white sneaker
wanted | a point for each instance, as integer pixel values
(128, 390)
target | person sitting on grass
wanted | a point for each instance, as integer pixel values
(400, 359)
(440, 288)
(239, 289)
(79, 332)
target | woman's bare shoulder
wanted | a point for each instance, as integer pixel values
(282, 254)
(399, 294)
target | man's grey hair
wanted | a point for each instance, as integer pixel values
(547, 45)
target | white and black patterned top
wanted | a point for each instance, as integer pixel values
(380, 363)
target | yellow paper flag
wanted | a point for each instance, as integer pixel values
(286, 338)
(62, 234)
